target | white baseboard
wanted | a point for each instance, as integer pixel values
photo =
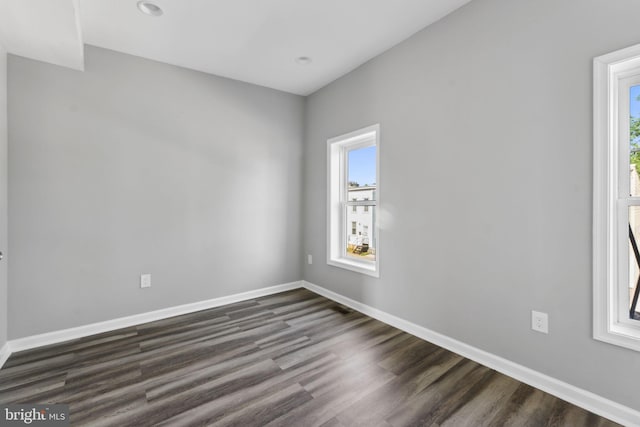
(5, 352)
(579, 397)
(55, 337)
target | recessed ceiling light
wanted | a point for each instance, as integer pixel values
(303, 60)
(149, 8)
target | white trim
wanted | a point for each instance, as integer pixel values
(355, 265)
(583, 398)
(55, 337)
(5, 352)
(336, 176)
(610, 201)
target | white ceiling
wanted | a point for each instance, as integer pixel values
(255, 41)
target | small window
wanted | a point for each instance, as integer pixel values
(616, 208)
(353, 181)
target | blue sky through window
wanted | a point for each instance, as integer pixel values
(362, 166)
(634, 107)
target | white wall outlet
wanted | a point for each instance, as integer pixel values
(540, 322)
(145, 280)
(309, 259)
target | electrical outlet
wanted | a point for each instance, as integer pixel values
(540, 322)
(309, 259)
(145, 280)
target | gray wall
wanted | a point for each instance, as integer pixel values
(486, 134)
(139, 167)
(3, 196)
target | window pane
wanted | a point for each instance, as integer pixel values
(361, 240)
(361, 187)
(634, 261)
(634, 139)
(361, 167)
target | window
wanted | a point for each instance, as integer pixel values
(616, 209)
(354, 181)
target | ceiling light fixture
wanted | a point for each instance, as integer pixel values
(303, 60)
(149, 8)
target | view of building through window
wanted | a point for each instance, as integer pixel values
(361, 167)
(634, 190)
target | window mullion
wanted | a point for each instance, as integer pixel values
(361, 203)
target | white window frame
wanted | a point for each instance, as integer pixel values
(614, 74)
(337, 201)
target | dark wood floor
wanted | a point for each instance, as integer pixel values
(291, 359)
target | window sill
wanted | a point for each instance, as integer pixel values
(619, 334)
(366, 267)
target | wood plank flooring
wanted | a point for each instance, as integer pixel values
(290, 359)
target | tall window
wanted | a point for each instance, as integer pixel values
(354, 181)
(617, 198)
